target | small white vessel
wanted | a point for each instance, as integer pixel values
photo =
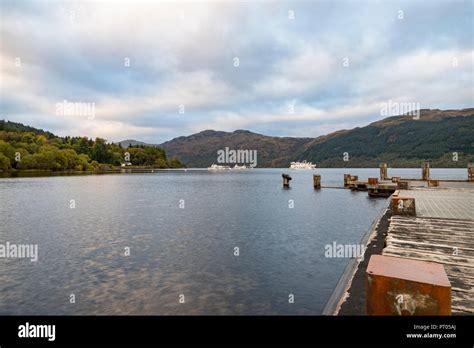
(302, 165)
(217, 167)
(240, 167)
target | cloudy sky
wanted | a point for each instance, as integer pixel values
(157, 70)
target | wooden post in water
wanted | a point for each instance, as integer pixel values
(383, 171)
(316, 181)
(347, 180)
(286, 180)
(425, 171)
(470, 172)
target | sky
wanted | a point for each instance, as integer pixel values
(152, 71)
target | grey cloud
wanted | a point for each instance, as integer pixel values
(176, 50)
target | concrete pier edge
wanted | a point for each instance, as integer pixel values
(340, 292)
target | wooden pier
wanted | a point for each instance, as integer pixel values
(374, 187)
(385, 186)
(430, 222)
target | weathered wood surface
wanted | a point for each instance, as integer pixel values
(456, 204)
(449, 242)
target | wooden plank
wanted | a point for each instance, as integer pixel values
(431, 221)
(442, 249)
(440, 258)
(459, 271)
(468, 229)
(461, 284)
(431, 231)
(460, 311)
(439, 233)
(461, 278)
(423, 220)
(434, 230)
(462, 301)
(445, 240)
(439, 225)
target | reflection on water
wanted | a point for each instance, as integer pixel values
(176, 251)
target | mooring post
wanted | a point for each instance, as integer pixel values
(425, 171)
(347, 180)
(286, 180)
(403, 185)
(470, 172)
(372, 181)
(316, 181)
(433, 183)
(383, 171)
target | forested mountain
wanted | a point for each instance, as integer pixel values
(445, 138)
(439, 137)
(400, 141)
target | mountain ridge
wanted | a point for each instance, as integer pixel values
(400, 141)
(378, 141)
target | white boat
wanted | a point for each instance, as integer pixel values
(240, 167)
(302, 165)
(217, 167)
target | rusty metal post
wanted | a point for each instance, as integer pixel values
(316, 181)
(373, 181)
(470, 171)
(433, 183)
(383, 171)
(403, 185)
(400, 286)
(403, 205)
(425, 171)
(286, 180)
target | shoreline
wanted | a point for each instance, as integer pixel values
(118, 170)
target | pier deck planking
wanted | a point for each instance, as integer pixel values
(449, 242)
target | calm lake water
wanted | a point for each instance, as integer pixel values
(175, 250)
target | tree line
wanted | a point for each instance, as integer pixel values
(27, 148)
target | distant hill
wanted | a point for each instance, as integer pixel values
(9, 126)
(400, 141)
(199, 150)
(131, 142)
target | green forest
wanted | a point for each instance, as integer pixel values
(27, 148)
(445, 143)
